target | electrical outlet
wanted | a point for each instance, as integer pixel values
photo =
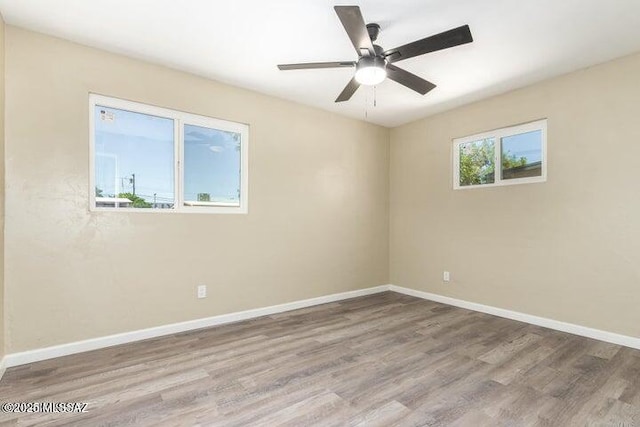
(202, 291)
(446, 277)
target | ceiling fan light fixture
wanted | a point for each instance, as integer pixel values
(374, 64)
(371, 71)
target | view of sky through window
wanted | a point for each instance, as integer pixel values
(506, 156)
(134, 149)
(134, 159)
(522, 155)
(211, 165)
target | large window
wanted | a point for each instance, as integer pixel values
(513, 155)
(146, 158)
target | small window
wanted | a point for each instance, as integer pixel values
(514, 155)
(147, 158)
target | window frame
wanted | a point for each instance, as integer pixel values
(497, 135)
(180, 119)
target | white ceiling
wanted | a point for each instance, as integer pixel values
(516, 42)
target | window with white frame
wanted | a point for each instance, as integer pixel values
(147, 158)
(513, 155)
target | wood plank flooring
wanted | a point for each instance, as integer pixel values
(381, 360)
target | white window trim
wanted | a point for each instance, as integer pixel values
(180, 118)
(498, 134)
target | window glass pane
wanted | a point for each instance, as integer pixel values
(522, 155)
(211, 167)
(477, 162)
(134, 159)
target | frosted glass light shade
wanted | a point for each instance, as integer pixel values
(370, 71)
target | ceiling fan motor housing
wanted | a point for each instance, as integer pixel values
(373, 30)
(371, 61)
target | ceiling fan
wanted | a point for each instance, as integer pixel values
(375, 64)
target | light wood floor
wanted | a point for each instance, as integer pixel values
(386, 359)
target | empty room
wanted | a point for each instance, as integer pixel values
(319, 213)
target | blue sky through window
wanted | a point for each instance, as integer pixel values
(128, 143)
(527, 145)
(211, 164)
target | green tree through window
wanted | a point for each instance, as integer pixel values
(511, 155)
(138, 202)
(477, 162)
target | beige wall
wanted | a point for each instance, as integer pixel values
(318, 204)
(2, 299)
(566, 249)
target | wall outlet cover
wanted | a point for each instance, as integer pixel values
(202, 291)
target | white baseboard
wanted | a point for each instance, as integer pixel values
(30, 356)
(3, 366)
(571, 328)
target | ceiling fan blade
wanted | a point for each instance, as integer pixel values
(353, 24)
(311, 65)
(409, 80)
(348, 91)
(451, 38)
